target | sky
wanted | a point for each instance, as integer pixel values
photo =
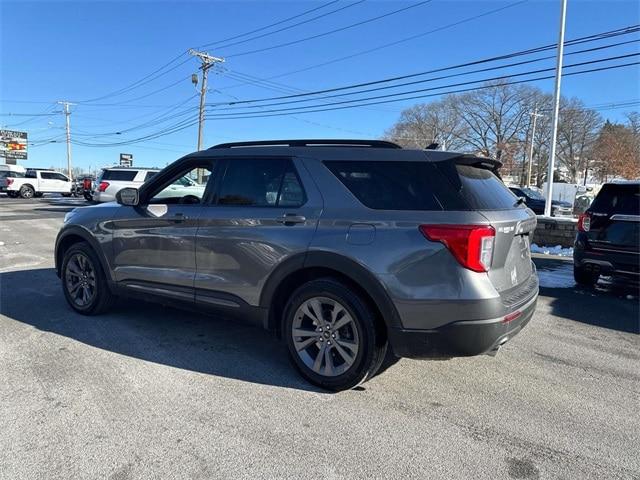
(82, 51)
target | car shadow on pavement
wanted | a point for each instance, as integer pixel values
(611, 304)
(152, 332)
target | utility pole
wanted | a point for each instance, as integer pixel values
(556, 109)
(67, 114)
(535, 116)
(207, 61)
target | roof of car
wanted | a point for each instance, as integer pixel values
(332, 149)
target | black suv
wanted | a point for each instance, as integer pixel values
(608, 239)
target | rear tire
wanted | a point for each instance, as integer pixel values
(27, 191)
(84, 283)
(332, 336)
(585, 277)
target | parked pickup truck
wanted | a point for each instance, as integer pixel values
(36, 183)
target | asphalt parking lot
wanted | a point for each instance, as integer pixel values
(151, 392)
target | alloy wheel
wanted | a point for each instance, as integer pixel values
(325, 336)
(80, 279)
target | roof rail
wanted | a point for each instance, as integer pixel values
(310, 143)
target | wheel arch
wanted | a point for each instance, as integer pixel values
(313, 265)
(75, 234)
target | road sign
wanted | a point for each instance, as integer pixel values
(13, 145)
(126, 160)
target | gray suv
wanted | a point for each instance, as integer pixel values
(343, 248)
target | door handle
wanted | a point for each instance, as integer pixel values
(178, 218)
(291, 219)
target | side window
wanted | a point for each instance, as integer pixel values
(47, 176)
(59, 176)
(261, 182)
(186, 187)
(149, 175)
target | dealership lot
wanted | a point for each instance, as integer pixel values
(152, 392)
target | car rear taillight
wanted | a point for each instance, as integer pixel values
(584, 222)
(471, 245)
(103, 186)
(9, 181)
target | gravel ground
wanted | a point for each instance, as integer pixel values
(153, 392)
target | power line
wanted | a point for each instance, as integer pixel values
(415, 82)
(143, 81)
(330, 32)
(397, 42)
(164, 118)
(315, 108)
(614, 33)
(291, 26)
(269, 26)
(191, 122)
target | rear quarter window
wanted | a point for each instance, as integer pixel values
(396, 185)
(430, 186)
(121, 175)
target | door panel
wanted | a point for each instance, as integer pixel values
(239, 246)
(156, 244)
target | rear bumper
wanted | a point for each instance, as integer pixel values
(462, 338)
(606, 262)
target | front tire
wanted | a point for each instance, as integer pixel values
(332, 336)
(584, 277)
(84, 282)
(27, 191)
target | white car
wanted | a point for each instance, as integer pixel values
(114, 179)
(35, 183)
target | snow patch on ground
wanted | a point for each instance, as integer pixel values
(557, 250)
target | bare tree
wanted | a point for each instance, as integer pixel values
(497, 118)
(577, 132)
(423, 124)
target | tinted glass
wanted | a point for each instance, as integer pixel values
(48, 176)
(6, 173)
(59, 176)
(398, 185)
(482, 190)
(122, 175)
(149, 175)
(622, 199)
(260, 182)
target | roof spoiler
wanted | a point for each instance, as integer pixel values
(480, 162)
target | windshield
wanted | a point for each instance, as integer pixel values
(532, 194)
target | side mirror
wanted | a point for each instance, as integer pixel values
(128, 196)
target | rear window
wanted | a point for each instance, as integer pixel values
(617, 199)
(122, 175)
(482, 190)
(7, 173)
(422, 185)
